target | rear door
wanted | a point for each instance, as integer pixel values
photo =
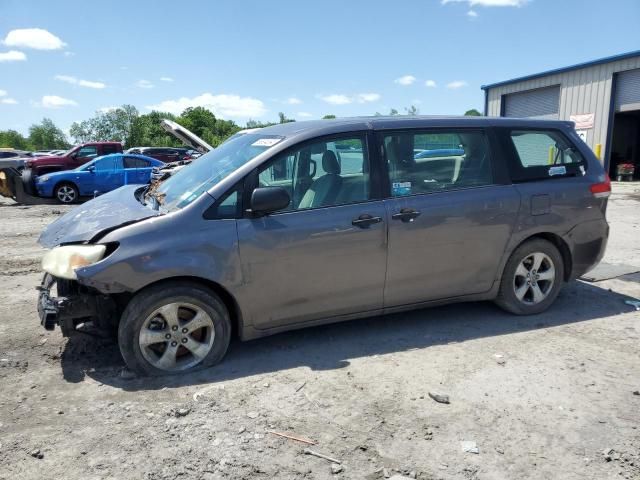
(325, 255)
(451, 212)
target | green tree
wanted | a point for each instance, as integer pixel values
(113, 125)
(204, 124)
(412, 110)
(283, 119)
(329, 117)
(147, 132)
(13, 139)
(46, 135)
(393, 112)
(472, 113)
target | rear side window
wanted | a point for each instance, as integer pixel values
(543, 154)
(106, 149)
(427, 162)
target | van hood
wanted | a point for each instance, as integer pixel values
(87, 221)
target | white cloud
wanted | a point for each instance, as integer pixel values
(336, 99)
(222, 105)
(472, 13)
(144, 84)
(54, 101)
(3, 93)
(368, 97)
(405, 80)
(80, 82)
(8, 101)
(12, 56)
(69, 54)
(293, 101)
(304, 114)
(456, 84)
(36, 38)
(490, 3)
(166, 79)
(107, 109)
(430, 84)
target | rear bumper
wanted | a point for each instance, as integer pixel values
(589, 242)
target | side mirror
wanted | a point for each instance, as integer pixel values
(266, 200)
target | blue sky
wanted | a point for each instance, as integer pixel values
(66, 59)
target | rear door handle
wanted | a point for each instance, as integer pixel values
(406, 215)
(365, 220)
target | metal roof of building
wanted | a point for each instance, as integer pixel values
(613, 58)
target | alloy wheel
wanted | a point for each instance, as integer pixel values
(66, 194)
(534, 278)
(176, 336)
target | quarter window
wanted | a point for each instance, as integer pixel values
(321, 174)
(543, 154)
(427, 162)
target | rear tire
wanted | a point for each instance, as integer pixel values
(532, 278)
(66, 193)
(174, 328)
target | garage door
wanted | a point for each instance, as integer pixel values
(539, 103)
(628, 90)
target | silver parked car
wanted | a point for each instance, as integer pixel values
(307, 223)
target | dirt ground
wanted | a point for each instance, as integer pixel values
(544, 397)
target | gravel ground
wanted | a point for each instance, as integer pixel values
(549, 396)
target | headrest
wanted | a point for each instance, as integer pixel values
(330, 163)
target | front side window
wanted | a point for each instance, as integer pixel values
(321, 174)
(107, 164)
(427, 162)
(543, 154)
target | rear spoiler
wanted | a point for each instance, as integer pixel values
(187, 137)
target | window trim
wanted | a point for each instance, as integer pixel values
(498, 173)
(516, 169)
(368, 140)
(211, 213)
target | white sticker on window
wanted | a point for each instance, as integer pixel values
(557, 171)
(265, 142)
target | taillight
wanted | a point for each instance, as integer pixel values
(601, 189)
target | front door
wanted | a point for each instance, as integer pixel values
(109, 173)
(449, 220)
(325, 255)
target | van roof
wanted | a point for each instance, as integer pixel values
(340, 125)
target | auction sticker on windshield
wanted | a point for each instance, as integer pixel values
(265, 142)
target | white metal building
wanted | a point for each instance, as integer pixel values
(601, 96)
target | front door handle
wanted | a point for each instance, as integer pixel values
(365, 220)
(406, 215)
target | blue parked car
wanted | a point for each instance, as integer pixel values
(100, 175)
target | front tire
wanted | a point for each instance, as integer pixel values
(66, 193)
(532, 278)
(174, 328)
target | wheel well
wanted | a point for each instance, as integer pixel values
(561, 245)
(65, 182)
(229, 301)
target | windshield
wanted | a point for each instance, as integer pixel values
(189, 183)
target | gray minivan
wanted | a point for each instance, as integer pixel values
(307, 223)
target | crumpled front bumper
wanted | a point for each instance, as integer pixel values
(74, 309)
